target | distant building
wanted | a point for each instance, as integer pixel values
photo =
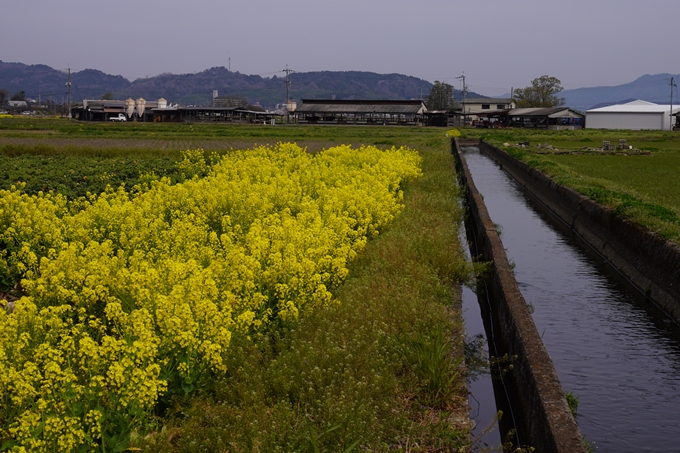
(634, 115)
(161, 111)
(469, 112)
(553, 118)
(177, 114)
(102, 110)
(487, 105)
(369, 112)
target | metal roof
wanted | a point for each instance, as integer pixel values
(110, 103)
(361, 106)
(485, 112)
(552, 112)
(635, 107)
(489, 100)
(213, 109)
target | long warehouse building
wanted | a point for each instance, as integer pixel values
(634, 115)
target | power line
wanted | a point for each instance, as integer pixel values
(68, 85)
(464, 96)
(288, 72)
(671, 113)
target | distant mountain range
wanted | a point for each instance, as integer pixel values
(197, 89)
(187, 89)
(653, 88)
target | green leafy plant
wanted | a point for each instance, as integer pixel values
(572, 401)
(435, 366)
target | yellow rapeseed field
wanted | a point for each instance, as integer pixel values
(132, 295)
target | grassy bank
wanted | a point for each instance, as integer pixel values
(380, 371)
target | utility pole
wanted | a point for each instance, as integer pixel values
(288, 72)
(672, 85)
(462, 77)
(68, 85)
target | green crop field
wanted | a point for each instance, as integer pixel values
(377, 367)
(575, 141)
(75, 158)
(655, 178)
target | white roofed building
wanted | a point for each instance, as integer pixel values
(635, 115)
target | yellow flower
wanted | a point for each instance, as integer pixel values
(123, 288)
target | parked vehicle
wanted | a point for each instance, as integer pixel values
(120, 117)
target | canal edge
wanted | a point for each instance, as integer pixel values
(536, 395)
(648, 261)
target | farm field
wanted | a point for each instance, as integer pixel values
(578, 139)
(254, 296)
(650, 177)
(641, 184)
(39, 152)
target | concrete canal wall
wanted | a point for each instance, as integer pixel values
(650, 262)
(539, 408)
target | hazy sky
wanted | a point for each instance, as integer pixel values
(496, 44)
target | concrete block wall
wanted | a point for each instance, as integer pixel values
(650, 262)
(541, 412)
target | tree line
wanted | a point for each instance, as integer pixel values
(541, 93)
(5, 96)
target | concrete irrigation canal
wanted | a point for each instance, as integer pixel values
(575, 323)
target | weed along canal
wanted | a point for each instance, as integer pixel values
(617, 353)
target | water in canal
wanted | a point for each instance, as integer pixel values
(485, 432)
(616, 352)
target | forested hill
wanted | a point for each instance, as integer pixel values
(197, 88)
(44, 81)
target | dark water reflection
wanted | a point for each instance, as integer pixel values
(486, 433)
(618, 353)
